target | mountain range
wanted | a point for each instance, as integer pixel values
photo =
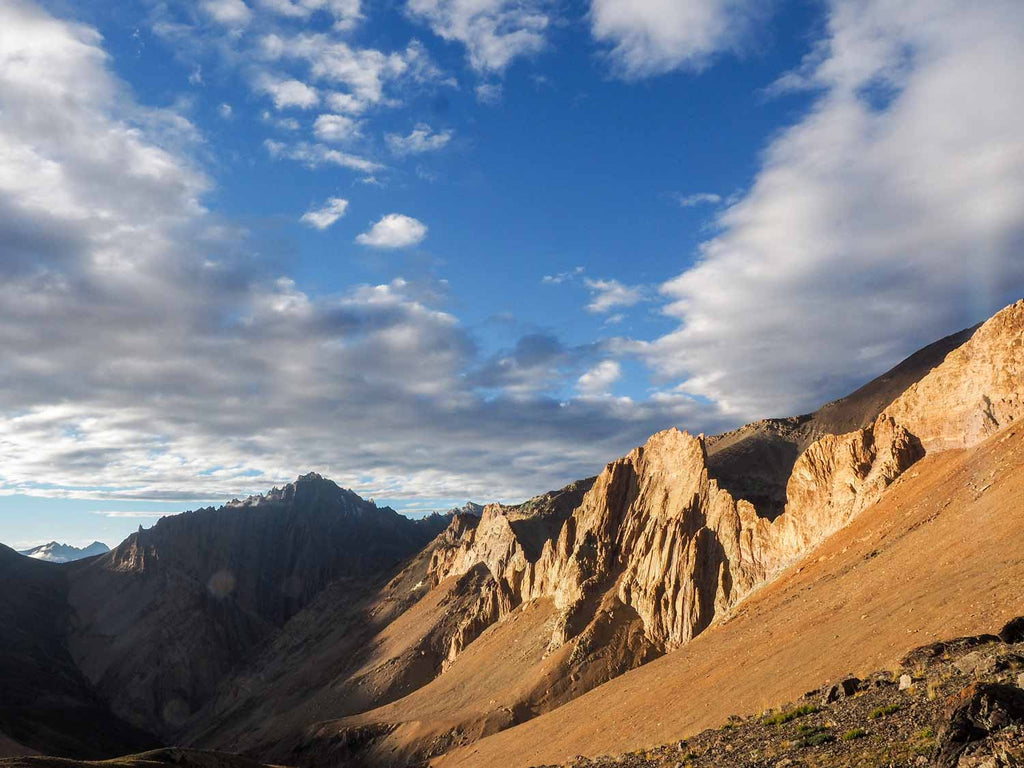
(695, 578)
(54, 552)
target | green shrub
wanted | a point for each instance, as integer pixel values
(784, 717)
(814, 736)
(883, 711)
(854, 733)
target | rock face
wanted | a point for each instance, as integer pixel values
(158, 621)
(660, 534)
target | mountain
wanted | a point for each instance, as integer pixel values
(65, 553)
(694, 578)
(656, 553)
(152, 627)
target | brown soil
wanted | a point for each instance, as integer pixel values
(930, 561)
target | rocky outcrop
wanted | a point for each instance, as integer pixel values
(658, 532)
(977, 391)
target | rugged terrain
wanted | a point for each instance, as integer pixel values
(958, 702)
(692, 579)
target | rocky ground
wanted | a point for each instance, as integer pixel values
(954, 704)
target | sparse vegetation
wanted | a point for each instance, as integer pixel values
(789, 715)
(854, 733)
(885, 711)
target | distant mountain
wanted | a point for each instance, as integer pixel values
(55, 552)
(469, 508)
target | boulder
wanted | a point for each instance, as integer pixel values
(974, 714)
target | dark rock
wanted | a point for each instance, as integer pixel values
(1013, 631)
(847, 687)
(942, 648)
(975, 713)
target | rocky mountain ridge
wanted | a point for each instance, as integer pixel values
(659, 532)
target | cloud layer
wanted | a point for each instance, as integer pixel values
(887, 216)
(150, 355)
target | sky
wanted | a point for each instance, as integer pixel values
(441, 250)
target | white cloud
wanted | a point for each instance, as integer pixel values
(132, 514)
(335, 128)
(289, 93)
(489, 93)
(151, 353)
(230, 13)
(562, 277)
(363, 71)
(324, 216)
(608, 294)
(599, 379)
(422, 139)
(889, 215)
(651, 37)
(346, 13)
(225, 111)
(698, 198)
(316, 155)
(495, 32)
(394, 231)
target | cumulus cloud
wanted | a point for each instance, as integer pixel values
(599, 379)
(651, 37)
(323, 217)
(608, 294)
(230, 13)
(422, 139)
(289, 93)
(394, 230)
(562, 277)
(494, 32)
(886, 217)
(335, 128)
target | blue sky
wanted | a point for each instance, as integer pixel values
(452, 249)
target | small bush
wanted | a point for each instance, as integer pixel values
(884, 711)
(789, 715)
(814, 736)
(854, 733)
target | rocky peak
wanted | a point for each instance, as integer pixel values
(658, 534)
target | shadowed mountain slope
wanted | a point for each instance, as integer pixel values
(159, 621)
(45, 702)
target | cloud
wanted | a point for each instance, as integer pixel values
(422, 139)
(608, 294)
(652, 37)
(289, 93)
(394, 231)
(489, 93)
(363, 72)
(562, 277)
(599, 379)
(230, 13)
(316, 155)
(131, 514)
(335, 128)
(225, 111)
(698, 198)
(494, 32)
(888, 216)
(346, 13)
(323, 217)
